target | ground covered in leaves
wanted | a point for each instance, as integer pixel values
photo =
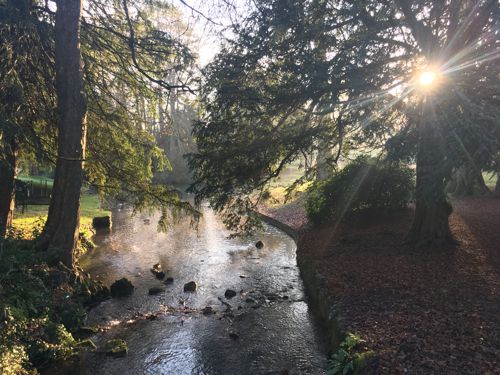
(425, 311)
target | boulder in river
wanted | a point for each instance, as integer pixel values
(158, 272)
(160, 275)
(259, 244)
(190, 287)
(208, 311)
(121, 288)
(229, 293)
(101, 222)
(169, 280)
(234, 336)
(155, 290)
(116, 348)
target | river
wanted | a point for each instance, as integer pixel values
(266, 328)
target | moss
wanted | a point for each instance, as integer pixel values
(116, 348)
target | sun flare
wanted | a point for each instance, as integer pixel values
(427, 78)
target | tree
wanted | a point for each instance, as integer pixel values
(275, 91)
(121, 152)
(25, 95)
(467, 120)
(62, 227)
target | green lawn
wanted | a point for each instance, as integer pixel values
(90, 207)
(37, 180)
(490, 179)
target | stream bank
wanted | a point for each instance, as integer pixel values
(418, 310)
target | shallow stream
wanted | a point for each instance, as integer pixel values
(265, 329)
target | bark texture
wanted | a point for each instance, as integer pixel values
(430, 225)
(7, 188)
(62, 227)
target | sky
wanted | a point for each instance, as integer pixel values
(210, 20)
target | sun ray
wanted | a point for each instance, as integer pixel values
(493, 55)
(461, 28)
(393, 102)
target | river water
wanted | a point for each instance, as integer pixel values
(265, 329)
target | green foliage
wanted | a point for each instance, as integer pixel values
(345, 361)
(363, 184)
(330, 78)
(39, 308)
(130, 60)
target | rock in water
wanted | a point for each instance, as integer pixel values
(208, 311)
(160, 275)
(190, 287)
(101, 222)
(116, 348)
(157, 271)
(121, 288)
(155, 290)
(234, 336)
(169, 280)
(229, 293)
(259, 244)
(157, 267)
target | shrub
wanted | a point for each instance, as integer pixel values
(363, 184)
(346, 360)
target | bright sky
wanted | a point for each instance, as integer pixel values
(209, 21)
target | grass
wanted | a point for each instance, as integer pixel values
(490, 179)
(37, 180)
(278, 187)
(90, 207)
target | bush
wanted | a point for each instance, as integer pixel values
(347, 360)
(363, 184)
(39, 308)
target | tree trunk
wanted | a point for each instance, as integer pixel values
(62, 227)
(467, 180)
(323, 166)
(430, 225)
(497, 185)
(7, 188)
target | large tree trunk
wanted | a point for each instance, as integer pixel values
(430, 225)
(62, 227)
(467, 180)
(7, 188)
